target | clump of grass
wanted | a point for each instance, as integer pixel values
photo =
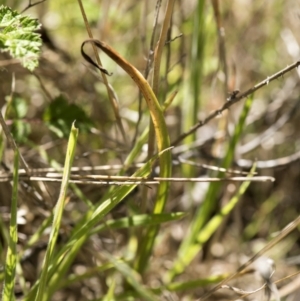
(137, 233)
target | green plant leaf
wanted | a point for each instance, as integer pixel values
(60, 115)
(19, 106)
(16, 110)
(139, 220)
(20, 130)
(17, 36)
(58, 212)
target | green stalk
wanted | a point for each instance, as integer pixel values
(11, 256)
(192, 88)
(147, 239)
(162, 139)
(65, 256)
(58, 211)
(190, 246)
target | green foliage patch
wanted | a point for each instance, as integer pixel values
(60, 115)
(18, 37)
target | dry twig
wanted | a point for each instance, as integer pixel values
(232, 99)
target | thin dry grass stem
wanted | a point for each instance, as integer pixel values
(47, 93)
(172, 40)
(124, 180)
(256, 142)
(197, 144)
(246, 163)
(29, 5)
(164, 81)
(234, 98)
(151, 47)
(156, 77)
(242, 292)
(221, 42)
(223, 122)
(148, 66)
(143, 25)
(281, 291)
(81, 169)
(291, 286)
(212, 167)
(179, 61)
(111, 97)
(275, 163)
(40, 171)
(156, 68)
(264, 164)
(160, 46)
(8, 134)
(287, 230)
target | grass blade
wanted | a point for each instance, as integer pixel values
(139, 220)
(192, 86)
(209, 203)
(214, 223)
(126, 222)
(162, 138)
(41, 292)
(81, 232)
(133, 278)
(11, 256)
